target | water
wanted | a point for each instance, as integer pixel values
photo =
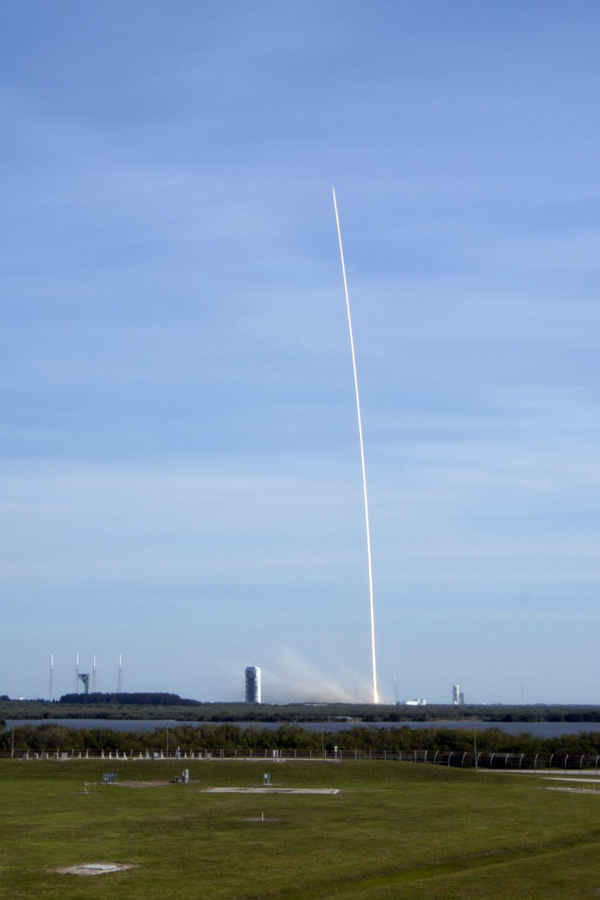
(537, 729)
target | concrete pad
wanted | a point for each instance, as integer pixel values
(575, 780)
(570, 790)
(95, 868)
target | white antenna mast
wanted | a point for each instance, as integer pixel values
(93, 673)
(51, 677)
(362, 456)
(120, 675)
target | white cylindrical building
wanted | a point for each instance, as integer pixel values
(253, 684)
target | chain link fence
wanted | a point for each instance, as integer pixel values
(453, 758)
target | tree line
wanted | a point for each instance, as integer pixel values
(149, 705)
(290, 737)
(150, 698)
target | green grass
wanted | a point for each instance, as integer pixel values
(396, 830)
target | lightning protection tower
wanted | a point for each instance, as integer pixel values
(51, 678)
(120, 675)
(76, 679)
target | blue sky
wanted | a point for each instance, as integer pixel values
(180, 478)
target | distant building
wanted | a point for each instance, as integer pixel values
(461, 698)
(419, 701)
(253, 684)
(456, 692)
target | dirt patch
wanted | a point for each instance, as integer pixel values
(268, 790)
(94, 868)
(140, 784)
(262, 820)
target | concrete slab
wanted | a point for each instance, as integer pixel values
(95, 868)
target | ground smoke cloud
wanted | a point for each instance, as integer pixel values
(291, 678)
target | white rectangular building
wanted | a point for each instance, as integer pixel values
(253, 684)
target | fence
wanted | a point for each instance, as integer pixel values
(454, 758)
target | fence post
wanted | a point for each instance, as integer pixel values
(565, 762)
(450, 757)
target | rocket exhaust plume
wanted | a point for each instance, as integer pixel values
(362, 457)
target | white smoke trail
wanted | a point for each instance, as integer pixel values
(362, 458)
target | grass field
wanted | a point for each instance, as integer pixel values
(395, 830)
